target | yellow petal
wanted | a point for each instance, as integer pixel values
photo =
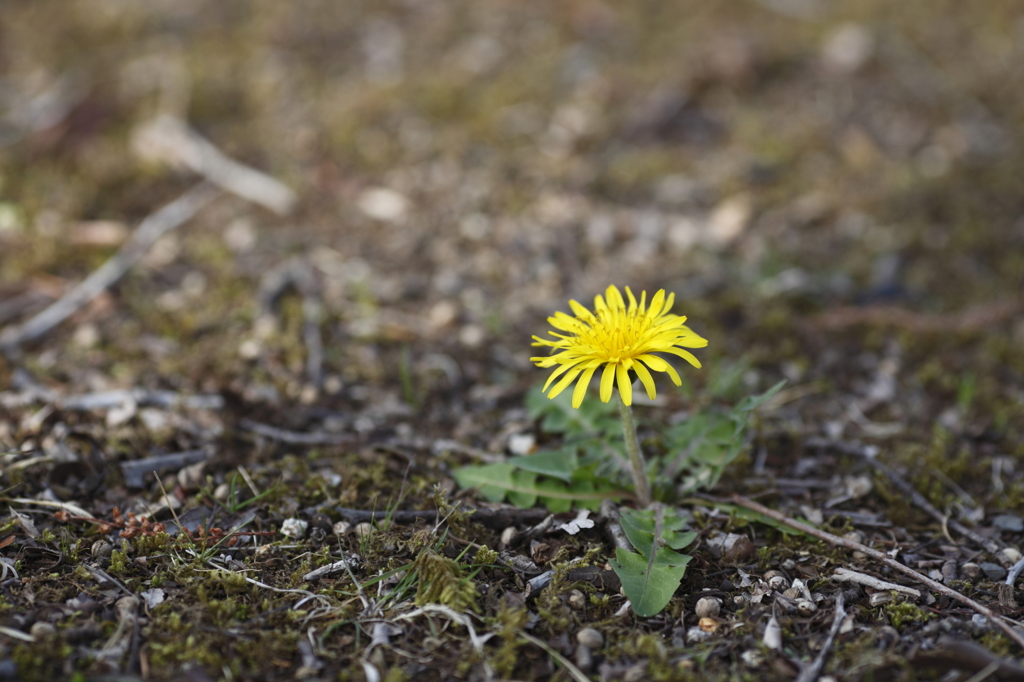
(632, 302)
(656, 304)
(581, 386)
(566, 380)
(669, 302)
(625, 386)
(685, 355)
(645, 378)
(654, 362)
(558, 372)
(580, 310)
(606, 382)
(615, 301)
(673, 374)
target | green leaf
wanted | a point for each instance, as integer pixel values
(522, 494)
(557, 415)
(652, 575)
(561, 463)
(555, 504)
(641, 525)
(649, 585)
(522, 488)
(753, 402)
(492, 480)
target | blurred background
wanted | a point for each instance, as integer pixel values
(832, 188)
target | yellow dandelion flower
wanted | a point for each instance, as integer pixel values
(619, 338)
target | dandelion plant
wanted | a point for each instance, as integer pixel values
(618, 339)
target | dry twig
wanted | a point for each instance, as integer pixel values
(171, 139)
(810, 673)
(294, 437)
(975, 318)
(152, 228)
(919, 500)
(835, 540)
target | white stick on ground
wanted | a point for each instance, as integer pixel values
(169, 138)
(846, 575)
(812, 672)
(151, 229)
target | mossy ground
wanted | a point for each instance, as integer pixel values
(833, 190)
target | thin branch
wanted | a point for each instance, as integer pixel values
(149, 231)
(294, 437)
(170, 138)
(496, 519)
(1017, 638)
(810, 673)
(845, 575)
(975, 318)
(919, 500)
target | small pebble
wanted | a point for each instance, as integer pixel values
(584, 658)
(708, 606)
(1011, 523)
(696, 634)
(752, 658)
(805, 607)
(42, 629)
(971, 570)
(294, 528)
(776, 580)
(222, 491)
(854, 536)
(101, 548)
(589, 637)
(993, 571)
(879, 598)
(577, 600)
(508, 535)
(363, 529)
(637, 673)
(708, 624)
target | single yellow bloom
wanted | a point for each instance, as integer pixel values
(620, 338)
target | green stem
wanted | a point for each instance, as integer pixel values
(636, 458)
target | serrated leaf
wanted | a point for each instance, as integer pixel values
(649, 586)
(492, 480)
(651, 575)
(498, 481)
(560, 464)
(640, 525)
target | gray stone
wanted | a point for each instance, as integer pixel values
(993, 571)
(1011, 523)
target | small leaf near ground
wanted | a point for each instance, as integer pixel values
(651, 575)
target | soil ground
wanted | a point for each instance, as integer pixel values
(833, 190)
